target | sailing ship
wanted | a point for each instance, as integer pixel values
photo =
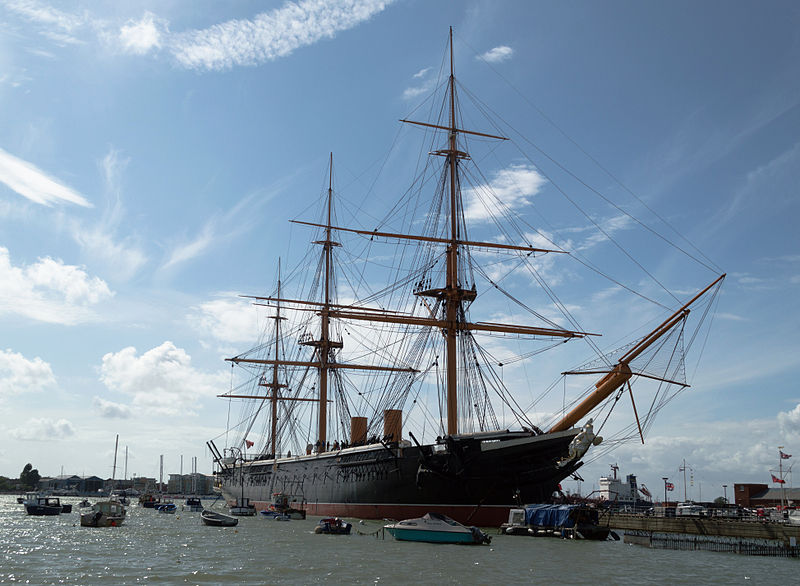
(486, 459)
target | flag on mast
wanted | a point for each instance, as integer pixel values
(248, 443)
(778, 480)
(784, 456)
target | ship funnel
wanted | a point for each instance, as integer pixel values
(392, 425)
(358, 430)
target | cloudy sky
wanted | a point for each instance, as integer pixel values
(151, 154)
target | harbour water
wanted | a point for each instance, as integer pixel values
(155, 548)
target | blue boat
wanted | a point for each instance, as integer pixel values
(436, 528)
(166, 508)
(577, 521)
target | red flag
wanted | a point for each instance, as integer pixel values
(670, 486)
(784, 456)
(248, 443)
(778, 480)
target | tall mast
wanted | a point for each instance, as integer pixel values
(114, 469)
(324, 346)
(275, 385)
(453, 302)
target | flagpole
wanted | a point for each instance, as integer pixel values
(780, 476)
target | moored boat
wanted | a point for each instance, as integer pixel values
(576, 521)
(148, 500)
(110, 513)
(194, 504)
(168, 508)
(242, 508)
(215, 519)
(44, 506)
(437, 528)
(281, 507)
(333, 526)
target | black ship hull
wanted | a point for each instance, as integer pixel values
(474, 479)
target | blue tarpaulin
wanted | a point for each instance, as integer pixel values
(549, 516)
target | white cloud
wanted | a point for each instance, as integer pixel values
(498, 54)
(111, 410)
(413, 92)
(43, 430)
(46, 15)
(227, 320)
(189, 250)
(123, 259)
(421, 73)
(33, 183)
(509, 189)
(162, 380)
(271, 35)
(265, 37)
(20, 375)
(610, 226)
(49, 291)
(139, 37)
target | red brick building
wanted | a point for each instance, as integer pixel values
(761, 495)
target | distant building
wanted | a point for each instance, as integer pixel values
(71, 485)
(761, 495)
(144, 484)
(190, 484)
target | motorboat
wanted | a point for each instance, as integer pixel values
(215, 519)
(44, 506)
(149, 501)
(194, 504)
(169, 508)
(333, 526)
(436, 528)
(281, 507)
(110, 513)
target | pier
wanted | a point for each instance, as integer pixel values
(750, 537)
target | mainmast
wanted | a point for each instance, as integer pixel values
(325, 342)
(453, 293)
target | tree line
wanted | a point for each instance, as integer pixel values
(28, 480)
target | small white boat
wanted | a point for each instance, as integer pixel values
(109, 513)
(215, 519)
(436, 528)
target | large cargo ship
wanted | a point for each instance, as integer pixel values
(416, 338)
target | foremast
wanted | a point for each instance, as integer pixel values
(324, 359)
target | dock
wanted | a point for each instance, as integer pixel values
(752, 537)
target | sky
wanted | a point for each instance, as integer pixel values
(152, 153)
